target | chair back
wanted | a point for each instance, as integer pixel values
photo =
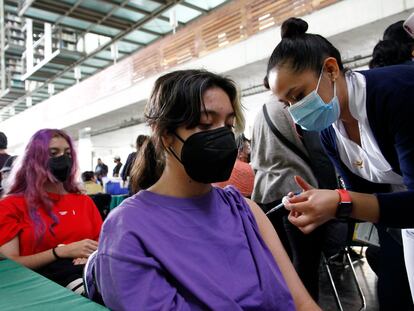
(114, 188)
(102, 202)
(89, 280)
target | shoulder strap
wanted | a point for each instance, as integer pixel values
(283, 139)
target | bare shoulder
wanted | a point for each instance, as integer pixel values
(257, 212)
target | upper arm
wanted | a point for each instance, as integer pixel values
(131, 279)
(268, 233)
(11, 249)
(10, 221)
(301, 297)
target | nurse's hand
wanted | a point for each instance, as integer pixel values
(312, 207)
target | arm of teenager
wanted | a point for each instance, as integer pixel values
(128, 278)
(301, 297)
(11, 251)
(73, 250)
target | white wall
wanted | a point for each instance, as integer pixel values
(252, 105)
(117, 143)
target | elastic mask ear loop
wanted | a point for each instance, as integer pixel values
(172, 150)
(319, 80)
(176, 135)
(174, 154)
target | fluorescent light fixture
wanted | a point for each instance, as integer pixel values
(51, 89)
(77, 73)
(29, 101)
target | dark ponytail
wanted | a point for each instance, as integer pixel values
(147, 168)
(300, 50)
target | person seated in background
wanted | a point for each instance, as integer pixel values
(3, 152)
(183, 244)
(3, 149)
(242, 175)
(90, 183)
(5, 173)
(46, 223)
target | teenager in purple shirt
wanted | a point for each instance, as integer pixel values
(183, 244)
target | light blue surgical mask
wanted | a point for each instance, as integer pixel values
(312, 113)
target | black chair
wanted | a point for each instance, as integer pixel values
(102, 202)
(344, 254)
(89, 280)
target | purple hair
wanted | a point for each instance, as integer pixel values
(33, 173)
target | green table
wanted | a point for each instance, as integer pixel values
(24, 289)
(116, 200)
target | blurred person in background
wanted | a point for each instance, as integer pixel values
(396, 32)
(281, 150)
(242, 176)
(90, 183)
(3, 152)
(5, 174)
(388, 53)
(117, 168)
(126, 170)
(101, 170)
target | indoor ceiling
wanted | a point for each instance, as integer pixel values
(90, 34)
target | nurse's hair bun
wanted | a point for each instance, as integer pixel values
(293, 27)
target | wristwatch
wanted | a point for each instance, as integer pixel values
(344, 206)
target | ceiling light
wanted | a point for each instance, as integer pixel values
(173, 19)
(51, 89)
(77, 74)
(29, 101)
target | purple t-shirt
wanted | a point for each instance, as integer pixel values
(159, 252)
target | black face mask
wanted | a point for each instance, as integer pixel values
(60, 167)
(209, 156)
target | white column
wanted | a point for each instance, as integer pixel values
(29, 45)
(2, 45)
(48, 40)
(85, 150)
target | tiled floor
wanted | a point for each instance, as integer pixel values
(346, 288)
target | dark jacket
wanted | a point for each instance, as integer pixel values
(390, 110)
(126, 170)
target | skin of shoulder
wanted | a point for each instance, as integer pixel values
(301, 297)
